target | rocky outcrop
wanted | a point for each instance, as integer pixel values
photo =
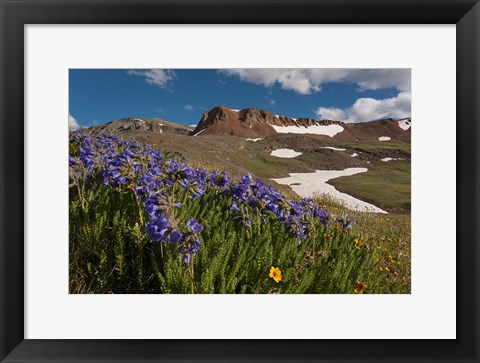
(249, 122)
(243, 123)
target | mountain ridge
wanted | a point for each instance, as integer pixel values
(258, 123)
(155, 125)
(248, 122)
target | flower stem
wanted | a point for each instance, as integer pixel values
(192, 286)
(314, 238)
(80, 196)
(186, 195)
(140, 210)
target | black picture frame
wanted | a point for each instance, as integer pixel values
(17, 13)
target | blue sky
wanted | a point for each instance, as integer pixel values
(181, 95)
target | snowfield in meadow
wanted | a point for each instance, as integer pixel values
(390, 159)
(285, 153)
(308, 185)
(333, 148)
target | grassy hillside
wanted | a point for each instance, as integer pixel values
(145, 221)
(388, 186)
(384, 185)
(389, 235)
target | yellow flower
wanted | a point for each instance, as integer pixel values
(275, 274)
(387, 269)
(360, 288)
(381, 269)
(357, 243)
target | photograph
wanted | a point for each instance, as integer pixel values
(222, 154)
(239, 181)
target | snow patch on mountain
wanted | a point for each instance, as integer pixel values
(328, 130)
(404, 124)
(198, 133)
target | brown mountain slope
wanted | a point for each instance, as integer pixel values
(372, 131)
(130, 124)
(251, 122)
(248, 122)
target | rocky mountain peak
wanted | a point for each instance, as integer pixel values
(250, 122)
(137, 124)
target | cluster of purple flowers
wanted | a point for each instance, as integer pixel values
(344, 222)
(189, 242)
(241, 215)
(117, 161)
(154, 176)
(267, 201)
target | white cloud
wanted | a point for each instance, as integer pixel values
(306, 81)
(369, 109)
(72, 123)
(189, 108)
(331, 113)
(159, 77)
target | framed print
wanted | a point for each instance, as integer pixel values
(241, 183)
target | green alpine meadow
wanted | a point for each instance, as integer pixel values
(144, 221)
